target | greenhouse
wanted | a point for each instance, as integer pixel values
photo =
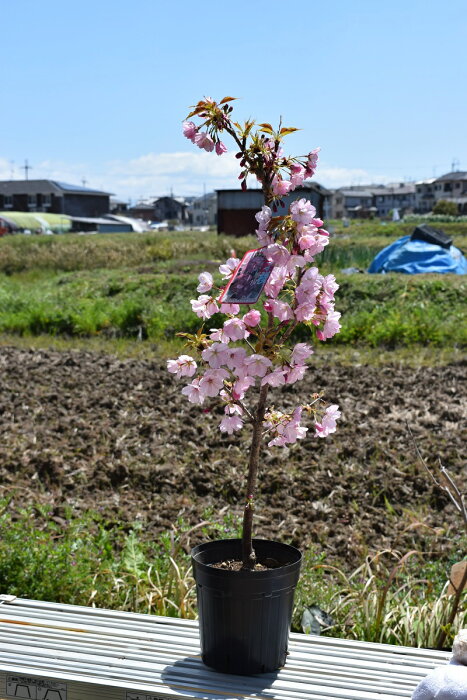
(35, 223)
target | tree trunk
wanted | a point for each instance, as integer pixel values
(248, 554)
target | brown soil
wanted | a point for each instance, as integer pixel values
(94, 431)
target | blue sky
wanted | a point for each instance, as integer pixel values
(97, 89)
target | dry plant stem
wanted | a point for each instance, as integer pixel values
(458, 499)
(248, 554)
(454, 609)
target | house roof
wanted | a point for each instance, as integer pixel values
(307, 185)
(455, 175)
(356, 193)
(10, 187)
(396, 189)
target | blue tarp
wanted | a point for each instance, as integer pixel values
(416, 257)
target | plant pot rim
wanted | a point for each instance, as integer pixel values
(236, 544)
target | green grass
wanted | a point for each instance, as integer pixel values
(353, 246)
(88, 560)
(385, 311)
(72, 252)
(131, 286)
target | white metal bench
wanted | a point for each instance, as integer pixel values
(50, 651)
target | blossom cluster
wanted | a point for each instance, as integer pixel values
(245, 354)
(231, 362)
(263, 157)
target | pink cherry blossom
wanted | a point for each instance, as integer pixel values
(280, 187)
(276, 281)
(312, 274)
(235, 357)
(300, 353)
(328, 422)
(280, 310)
(233, 409)
(302, 211)
(205, 282)
(230, 309)
(235, 329)
(212, 381)
(257, 365)
(307, 241)
(204, 306)
(288, 431)
(278, 254)
(294, 431)
(318, 246)
(297, 175)
(216, 355)
(219, 335)
(220, 148)
(230, 424)
(183, 366)
(228, 267)
(295, 374)
(241, 386)
(294, 262)
(263, 217)
(189, 130)
(203, 140)
(305, 311)
(278, 441)
(331, 326)
(275, 378)
(193, 392)
(252, 318)
(330, 285)
(312, 162)
(307, 291)
(264, 238)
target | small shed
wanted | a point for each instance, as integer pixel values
(236, 209)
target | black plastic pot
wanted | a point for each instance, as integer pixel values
(245, 616)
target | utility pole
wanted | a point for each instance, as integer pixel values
(26, 167)
(84, 182)
(455, 164)
(205, 211)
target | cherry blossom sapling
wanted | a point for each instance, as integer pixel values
(247, 356)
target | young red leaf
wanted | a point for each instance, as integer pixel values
(288, 130)
(227, 99)
(266, 128)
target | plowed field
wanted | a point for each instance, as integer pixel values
(93, 431)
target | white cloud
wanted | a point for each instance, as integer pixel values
(333, 177)
(5, 169)
(183, 173)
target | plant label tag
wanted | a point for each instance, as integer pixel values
(249, 279)
(455, 579)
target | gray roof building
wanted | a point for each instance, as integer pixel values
(52, 196)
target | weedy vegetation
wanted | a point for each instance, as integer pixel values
(135, 286)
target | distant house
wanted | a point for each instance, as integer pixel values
(424, 196)
(157, 209)
(353, 202)
(452, 187)
(53, 197)
(400, 196)
(203, 210)
(366, 201)
(236, 209)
